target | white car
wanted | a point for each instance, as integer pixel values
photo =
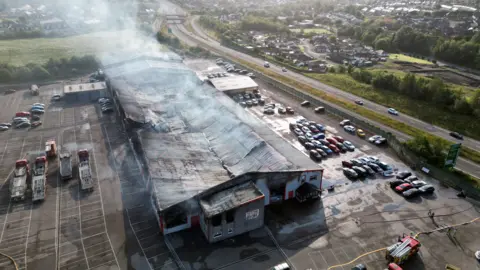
(392, 111)
(38, 104)
(6, 124)
(373, 159)
(3, 128)
(418, 183)
(20, 119)
(56, 97)
(477, 255)
(349, 128)
(23, 125)
(37, 110)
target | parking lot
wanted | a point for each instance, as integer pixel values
(358, 216)
(71, 228)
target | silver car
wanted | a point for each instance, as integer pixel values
(23, 125)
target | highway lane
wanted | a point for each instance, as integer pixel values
(201, 39)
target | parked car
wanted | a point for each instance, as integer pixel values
(261, 101)
(377, 139)
(333, 148)
(319, 136)
(281, 266)
(403, 175)
(17, 120)
(411, 178)
(341, 147)
(243, 104)
(384, 166)
(6, 124)
(319, 109)
(22, 114)
(37, 108)
(290, 110)
(368, 169)
(392, 111)
(305, 129)
(281, 110)
(356, 162)
(316, 143)
(36, 123)
(326, 149)
(456, 135)
(314, 129)
(346, 164)
(361, 133)
(306, 103)
(403, 187)
(23, 125)
(308, 145)
(302, 139)
(412, 192)
(375, 167)
(418, 183)
(3, 128)
(395, 183)
(56, 97)
(349, 146)
(309, 135)
(38, 104)
(331, 140)
(321, 152)
(324, 142)
(364, 160)
(345, 122)
(359, 102)
(268, 111)
(298, 132)
(373, 159)
(320, 127)
(349, 129)
(338, 139)
(360, 171)
(38, 111)
(426, 189)
(315, 155)
(350, 173)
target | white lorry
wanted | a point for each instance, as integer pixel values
(84, 170)
(18, 185)
(39, 178)
(65, 165)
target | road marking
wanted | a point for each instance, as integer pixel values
(5, 221)
(92, 210)
(28, 232)
(102, 264)
(126, 210)
(335, 257)
(101, 197)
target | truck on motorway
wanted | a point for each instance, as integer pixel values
(34, 90)
(18, 185)
(84, 170)
(65, 165)
(39, 178)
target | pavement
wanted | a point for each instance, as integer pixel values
(201, 38)
(111, 227)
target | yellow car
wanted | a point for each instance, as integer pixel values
(361, 133)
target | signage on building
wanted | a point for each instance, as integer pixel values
(253, 214)
(452, 155)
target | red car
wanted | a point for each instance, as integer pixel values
(36, 123)
(338, 139)
(333, 148)
(403, 187)
(313, 129)
(22, 114)
(346, 164)
(331, 140)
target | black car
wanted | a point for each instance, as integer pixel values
(350, 173)
(396, 183)
(243, 104)
(359, 102)
(356, 162)
(411, 193)
(341, 147)
(107, 110)
(368, 169)
(308, 145)
(292, 126)
(374, 167)
(403, 175)
(261, 101)
(456, 135)
(360, 171)
(315, 155)
(305, 103)
(359, 267)
(321, 152)
(302, 139)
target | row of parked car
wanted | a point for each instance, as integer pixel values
(231, 68)
(26, 119)
(106, 105)
(270, 109)
(409, 185)
(312, 136)
(366, 166)
(247, 99)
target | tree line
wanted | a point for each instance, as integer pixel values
(391, 37)
(433, 91)
(54, 68)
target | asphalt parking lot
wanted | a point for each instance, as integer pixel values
(73, 229)
(360, 216)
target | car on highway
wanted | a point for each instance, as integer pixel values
(350, 173)
(290, 110)
(266, 64)
(326, 149)
(345, 122)
(305, 103)
(315, 155)
(392, 111)
(374, 138)
(349, 129)
(456, 135)
(36, 123)
(334, 148)
(418, 183)
(360, 171)
(3, 128)
(349, 145)
(23, 125)
(319, 109)
(302, 139)
(361, 133)
(22, 114)
(341, 147)
(359, 102)
(284, 69)
(339, 138)
(403, 187)
(320, 127)
(411, 193)
(404, 174)
(298, 132)
(427, 189)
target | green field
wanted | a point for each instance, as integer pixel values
(311, 30)
(38, 50)
(406, 58)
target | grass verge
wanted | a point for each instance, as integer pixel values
(406, 58)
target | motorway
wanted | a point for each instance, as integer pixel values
(200, 38)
